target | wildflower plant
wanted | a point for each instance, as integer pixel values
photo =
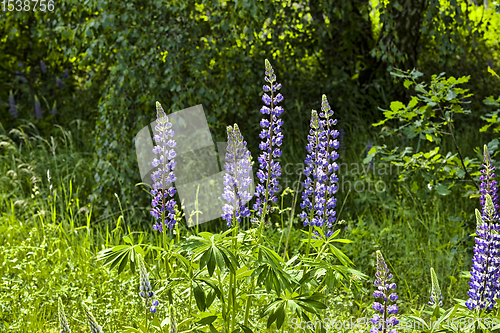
(318, 201)
(485, 271)
(486, 260)
(237, 177)
(269, 167)
(163, 202)
(384, 318)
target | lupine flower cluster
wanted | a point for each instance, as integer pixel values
(320, 185)
(59, 82)
(436, 295)
(381, 320)
(237, 177)
(164, 177)
(12, 105)
(488, 184)
(38, 108)
(486, 260)
(485, 271)
(145, 287)
(94, 327)
(62, 318)
(269, 168)
(65, 74)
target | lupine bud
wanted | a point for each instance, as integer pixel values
(269, 168)
(164, 177)
(63, 323)
(436, 296)
(38, 108)
(145, 286)
(237, 177)
(94, 327)
(12, 105)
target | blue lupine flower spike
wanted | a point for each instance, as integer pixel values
(484, 282)
(163, 190)
(63, 323)
(318, 200)
(269, 167)
(237, 177)
(381, 320)
(94, 327)
(436, 296)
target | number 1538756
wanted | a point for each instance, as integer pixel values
(27, 5)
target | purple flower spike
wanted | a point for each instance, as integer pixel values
(65, 75)
(382, 278)
(60, 84)
(163, 178)
(38, 109)
(237, 177)
(12, 105)
(485, 272)
(318, 201)
(269, 167)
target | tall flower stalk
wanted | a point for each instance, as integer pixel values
(318, 201)
(163, 202)
(237, 177)
(269, 167)
(485, 272)
(384, 320)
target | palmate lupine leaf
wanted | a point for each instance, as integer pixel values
(118, 256)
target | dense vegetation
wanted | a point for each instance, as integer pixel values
(415, 95)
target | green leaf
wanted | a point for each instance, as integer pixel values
(207, 320)
(199, 295)
(397, 106)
